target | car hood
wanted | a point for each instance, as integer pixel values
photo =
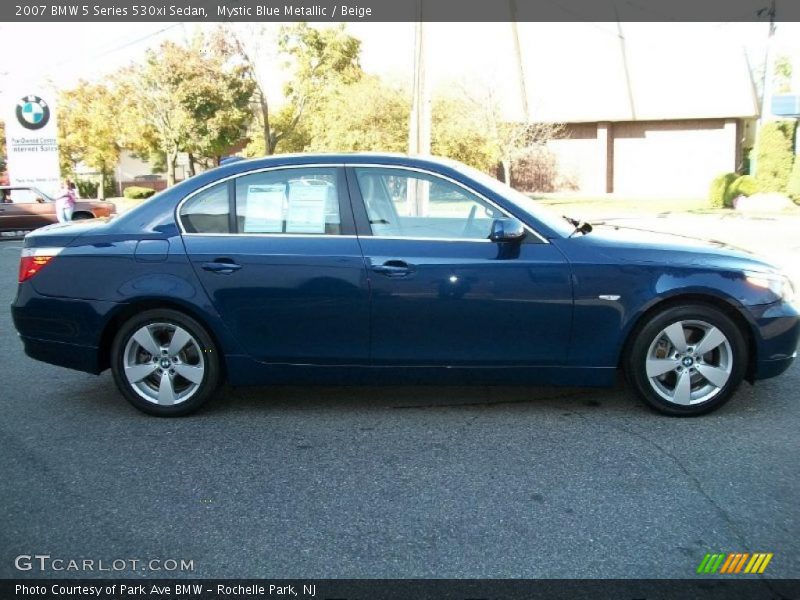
(642, 245)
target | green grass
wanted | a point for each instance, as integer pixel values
(611, 205)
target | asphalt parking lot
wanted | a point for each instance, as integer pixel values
(391, 482)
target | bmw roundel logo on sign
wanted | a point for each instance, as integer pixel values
(33, 112)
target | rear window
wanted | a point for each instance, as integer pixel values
(208, 211)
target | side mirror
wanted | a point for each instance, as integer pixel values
(507, 230)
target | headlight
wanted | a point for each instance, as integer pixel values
(780, 285)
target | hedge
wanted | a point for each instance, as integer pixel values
(87, 189)
(719, 189)
(746, 185)
(793, 189)
(775, 155)
(728, 186)
(136, 192)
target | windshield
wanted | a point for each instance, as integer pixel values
(523, 202)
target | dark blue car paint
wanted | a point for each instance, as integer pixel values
(466, 296)
(314, 310)
(294, 300)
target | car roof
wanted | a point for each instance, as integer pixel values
(443, 165)
(350, 158)
(343, 157)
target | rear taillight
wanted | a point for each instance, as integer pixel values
(33, 260)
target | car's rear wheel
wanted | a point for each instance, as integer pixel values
(165, 363)
(687, 360)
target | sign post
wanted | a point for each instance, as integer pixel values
(31, 143)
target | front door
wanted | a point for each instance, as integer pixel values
(442, 292)
(276, 252)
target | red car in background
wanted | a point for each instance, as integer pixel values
(23, 209)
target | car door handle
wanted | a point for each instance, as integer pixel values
(393, 268)
(221, 266)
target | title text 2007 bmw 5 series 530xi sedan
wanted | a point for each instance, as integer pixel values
(390, 269)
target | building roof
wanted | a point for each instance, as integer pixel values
(627, 78)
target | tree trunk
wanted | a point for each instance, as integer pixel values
(506, 171)
(101, 189)
(269, 147)
(191, 165)
(172, 158)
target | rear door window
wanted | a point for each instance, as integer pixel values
(303, 201)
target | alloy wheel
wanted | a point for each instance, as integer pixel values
(689, 362)
(163, 363)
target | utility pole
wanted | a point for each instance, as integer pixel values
(419, 134)
(523, 90)
(624, 55)
(766, 85)
(769, 65)
(419, 139)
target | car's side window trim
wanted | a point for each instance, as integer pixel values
(345, 205)
(232, 225)
(362, 220)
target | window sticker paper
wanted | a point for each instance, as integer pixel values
(264, 208)
(306, 212)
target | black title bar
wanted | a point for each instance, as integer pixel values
(399, 10)
(734, 588)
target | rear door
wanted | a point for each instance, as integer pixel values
(277, 253)
(442, 292)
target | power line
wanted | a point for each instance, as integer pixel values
(573, 13)
(103, 52)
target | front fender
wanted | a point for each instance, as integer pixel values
(610, 300)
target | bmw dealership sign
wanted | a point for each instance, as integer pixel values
(31, 141)
(33, 112)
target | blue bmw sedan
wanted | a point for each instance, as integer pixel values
(389, 269)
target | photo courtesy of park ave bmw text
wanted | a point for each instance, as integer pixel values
(400, 299)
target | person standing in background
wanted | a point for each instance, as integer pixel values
(65, 201)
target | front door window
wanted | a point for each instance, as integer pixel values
(410, 204)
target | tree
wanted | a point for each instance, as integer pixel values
(253, 50)
(506, 141)
(323, 59)
(185, 99)
(87, 129)
(217, 99)
(320, 60)
(459, 132)
(155, 119)
(782, 77)
(367, 115)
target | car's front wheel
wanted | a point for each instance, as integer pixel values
(687, 360)
(165, 363)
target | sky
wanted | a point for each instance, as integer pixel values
(457, 52)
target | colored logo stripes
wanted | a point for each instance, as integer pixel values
(734, 562)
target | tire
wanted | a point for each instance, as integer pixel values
(82, 216)
(694, 379)
(160, 379)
